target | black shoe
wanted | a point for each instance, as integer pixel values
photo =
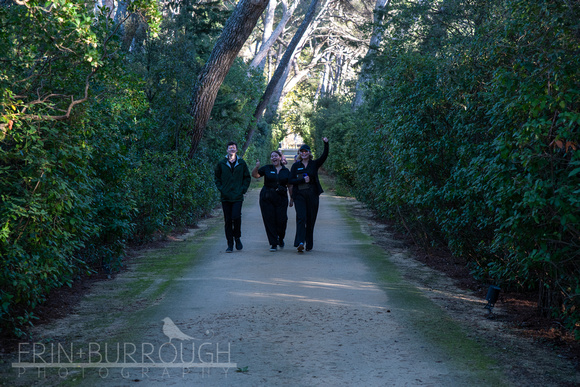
(230, 248)
(281, 243)
(301, 247)
(273, 248)
(307, 249)
(239, 245)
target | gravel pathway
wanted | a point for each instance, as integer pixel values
(326, 317)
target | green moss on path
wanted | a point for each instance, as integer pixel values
(411, 307)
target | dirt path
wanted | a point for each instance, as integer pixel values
(340, 315)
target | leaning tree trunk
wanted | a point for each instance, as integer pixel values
(284, 86)
(376, 38)
(272, 108)
(235, 33)
(279, 72)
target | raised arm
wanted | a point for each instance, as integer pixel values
(255, 170)
(319, 161)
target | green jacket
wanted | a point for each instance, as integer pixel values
(232, 183)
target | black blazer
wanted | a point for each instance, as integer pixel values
(298, 170)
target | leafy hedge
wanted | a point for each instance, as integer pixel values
(74, 192)
(472, 141)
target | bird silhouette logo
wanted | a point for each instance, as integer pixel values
(172, 331)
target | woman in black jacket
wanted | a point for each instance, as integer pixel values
(274, 198)
(305, 194)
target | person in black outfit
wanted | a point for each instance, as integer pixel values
(305, 194)
(232, 179)
(274, 198)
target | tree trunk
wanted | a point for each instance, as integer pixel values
(284, 86)
(279, 90)
(236, 31)
(339, 68)
(268, 28)
(120, 11)
(280, 71)
(376, 38)
(271, 38)
(276, 96)
(326, 76)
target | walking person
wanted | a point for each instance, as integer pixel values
(232, 178)
(305, 194)
(274, 198)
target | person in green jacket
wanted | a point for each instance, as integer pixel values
(232, 178)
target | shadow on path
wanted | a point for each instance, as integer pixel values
(339, 315)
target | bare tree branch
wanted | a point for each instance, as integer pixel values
(288, 12)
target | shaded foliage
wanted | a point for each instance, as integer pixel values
(76, 190)
(470, 135)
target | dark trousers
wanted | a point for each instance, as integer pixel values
(306, 205)
(274, 209)
(233, 220)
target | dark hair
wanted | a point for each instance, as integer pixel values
(231, 143)
(277, 152)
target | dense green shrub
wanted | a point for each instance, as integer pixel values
(75, 190)
(334, 120)
(535, 183)
(469, 137)
(169, 192)
(46, 178)
(46, 213)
